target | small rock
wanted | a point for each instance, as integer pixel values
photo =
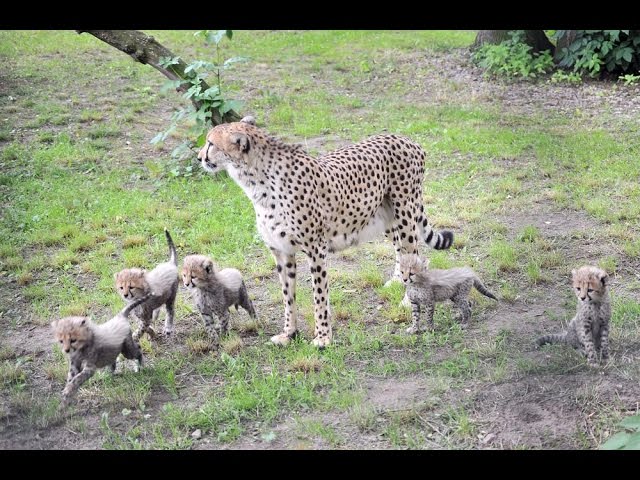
(147, 416)
(197, 434)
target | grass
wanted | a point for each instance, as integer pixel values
(94, 197)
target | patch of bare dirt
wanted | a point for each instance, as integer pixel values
(550, 221)
(549, 410)
(459, 79)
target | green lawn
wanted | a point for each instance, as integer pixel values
(530, 193)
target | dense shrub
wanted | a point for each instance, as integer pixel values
(513, 58)
(594, 51)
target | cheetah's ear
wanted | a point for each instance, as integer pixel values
(604, 279)
(250, 119)
(208, 266)
(573, 272)
(242, 141)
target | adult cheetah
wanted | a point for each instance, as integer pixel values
(325, 204)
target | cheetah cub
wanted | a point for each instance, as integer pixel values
(588, 331)
(161, 283)
(426, 287)
(90, 346)
(214, 291)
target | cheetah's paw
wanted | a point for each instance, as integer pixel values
(405, 301)
(415, 330)
(393, 280)
(281, 339)
(321, 342)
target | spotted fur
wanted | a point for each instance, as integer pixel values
(161, 283)
(214, 291)
(90, 346)
(425, 287)
(325, 204)
(588, 330)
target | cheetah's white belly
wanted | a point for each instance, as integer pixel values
(379, 222)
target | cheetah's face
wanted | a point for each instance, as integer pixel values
(196, 270)
(130, 283)
(225, 145)
(589, 283)
(411, 265)
(71, 333)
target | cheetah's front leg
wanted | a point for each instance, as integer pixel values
(210, 327)
(318, 266)
(586, 338)
(72, 387)
(392, 234)
(604, 341)
(286, 265)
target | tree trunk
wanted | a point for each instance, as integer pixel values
(563, 42)
(146, 50)
(539, 41)
(535, 38)
(492, 37)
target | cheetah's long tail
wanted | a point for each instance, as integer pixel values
(482, 289)
(553, 338)
(124, 313)
(438, 240)
(173, 255)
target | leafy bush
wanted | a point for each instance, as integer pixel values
(513, 58)
(590, 50)
(629, 79)
(210, 99)
(629, 439)
(560, 76)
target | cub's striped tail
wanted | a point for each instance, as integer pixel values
(440, 240)
(482, 289)
(124, 313)
(245, 301)
(173, 255)
(553, 338)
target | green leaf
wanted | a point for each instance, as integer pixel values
(229, 34)
(202, 138)
(633, 443)
(211, 93)
(168, 61)
(616, 442)
(158, 138)
(232, 60)
(627, 55)
(216, 37)
(233, 105)
(171, 85)
(631, 422)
